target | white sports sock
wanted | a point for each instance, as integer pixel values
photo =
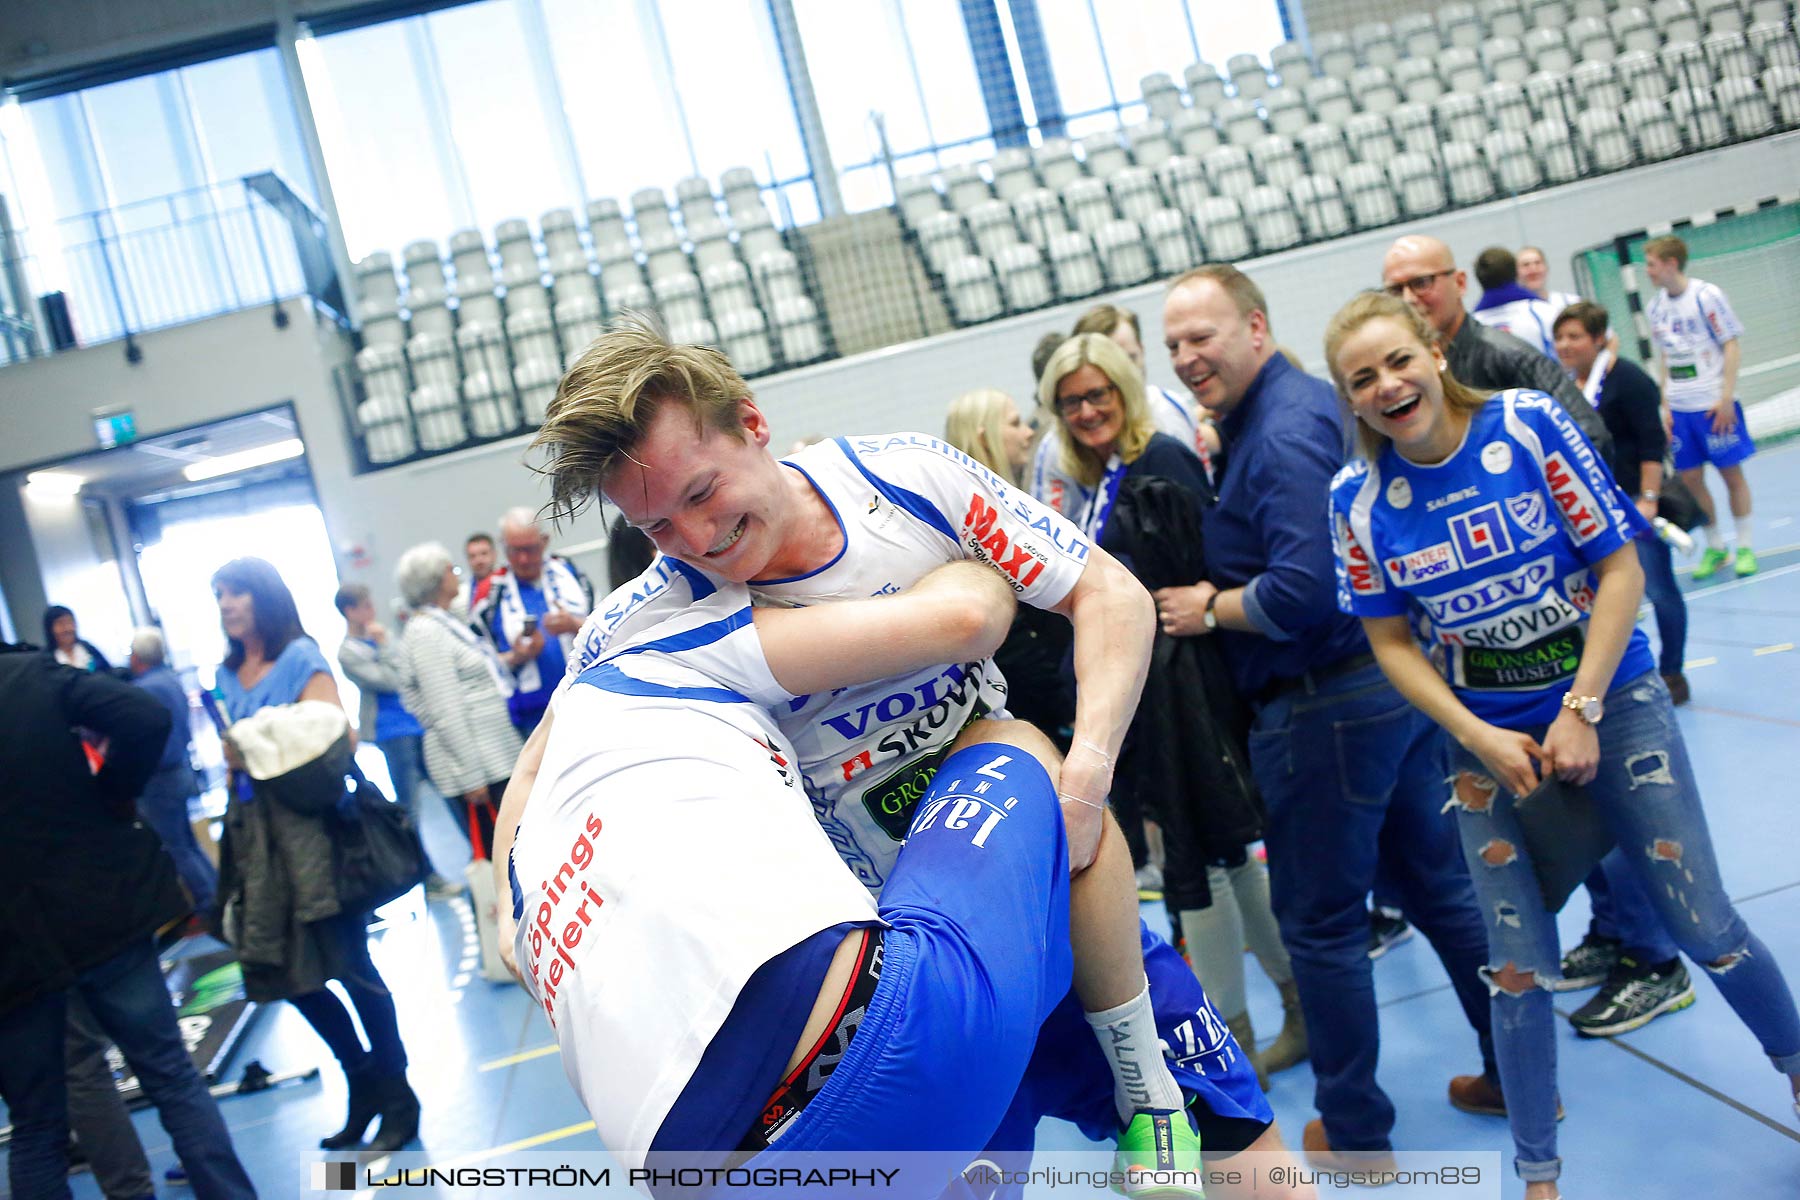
(1714, 539)
(1128, 1038)
(1740, 532)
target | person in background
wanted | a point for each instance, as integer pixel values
(986, 425)
(1506, 306)
(531, 613)
(1445, 465)
(1350, 773)
(367, 655)
(1534, 277)
(1699, 341)
(629, 552)
(67, 646)
(164, 802)
(270, 660)
(478, 551)
(87, 889)
(453, 683)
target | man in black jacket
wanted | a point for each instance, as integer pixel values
(87, 887)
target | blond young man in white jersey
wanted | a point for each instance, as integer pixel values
(1699, 351)
(691, 468)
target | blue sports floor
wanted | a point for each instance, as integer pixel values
(1685, 1107)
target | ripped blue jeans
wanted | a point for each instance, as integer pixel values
(1646, 789)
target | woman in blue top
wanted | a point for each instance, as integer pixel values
(270, 660)
(1488, 528)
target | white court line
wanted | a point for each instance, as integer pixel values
(1778, 648)
(1694, 664)
(1721, 589)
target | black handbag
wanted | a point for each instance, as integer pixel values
(1565, 835)
(376, 851)
(1676, 504)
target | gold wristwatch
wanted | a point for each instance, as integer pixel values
(1588, 708)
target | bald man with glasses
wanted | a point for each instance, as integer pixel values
(1422, 269)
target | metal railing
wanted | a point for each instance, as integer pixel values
(178, 258)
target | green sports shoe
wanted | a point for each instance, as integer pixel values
(1158, 1158)
(1745, 563)
(1710, 562)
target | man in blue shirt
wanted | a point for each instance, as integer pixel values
(533, 610)
(1348, 770)
(163, 804)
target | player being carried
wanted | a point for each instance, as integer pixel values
(671, 435)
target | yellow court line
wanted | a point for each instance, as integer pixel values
(479, 1156)
(1778, 648)
(1690, 665)
(513, 1060)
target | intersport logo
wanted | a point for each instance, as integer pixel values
(1491, 594)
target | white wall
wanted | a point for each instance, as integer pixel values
(241, 363)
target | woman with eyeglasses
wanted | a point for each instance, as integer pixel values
(1488, 552)
(1185, 762)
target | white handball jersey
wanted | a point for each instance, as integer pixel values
(1531, 321)
(1050, 485)
(667, 853)
(1691, 331)
(906, 503)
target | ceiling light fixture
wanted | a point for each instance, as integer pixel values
(55, 483)
(243, 460)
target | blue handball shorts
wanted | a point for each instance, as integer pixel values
(1695, 443)
(976, 957)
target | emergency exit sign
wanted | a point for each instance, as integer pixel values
(115, 429)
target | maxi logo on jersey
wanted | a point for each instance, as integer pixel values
(985, 538)
(1581, 512)
(1480, 535)
(1363, 577)
(1479, 598)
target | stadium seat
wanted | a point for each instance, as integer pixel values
(1414, 129)
(1503, 58)
(727, 284)
(1415, 177)
(917, 198)
(1507, 107)
(942, 237)
(1291, 64)
(1467, 172)
(1074, 265)
(1698, 114)
(1240, 121)
(1589, 40)
(469, 258)
(1547, 14)
(1603, 138)
(536, 379)
(1459, 26)
(1686, 67)
(1286, 110)
(1774, 11)
(1370, 196)
(1024, 279)
(1184, 182)
(1123, 255)
(1729, 56)
(386, 428)
(694, 198)
(1228, 171)
(425, 282)
(1039, 215)
(1135, 193)
(1649, 123)
(741, 191)
(433, 360)
(1555, 150)
(1324, 149)
(376, 282)
(1552, 96)
(1373, 89)
(1460, 69)
(1329, 99)
(1273, 222)
(776, 276)
(383, 372)
(1598, 9)
(797, 326)
(532, 333)
(1417, 35)
(744, 337)
(649, 206)
(1334, 54)
(1781, 84)
(1013, 173)
(434, 320)
(488, 399)
(1205, 86)
(1596, 85)
(1505, 19)
(1720, 16)
(1774, 43)
(1320, 205)
(697, 332)
(1172, 242)
(712, 242)
(991, 224)
(1371, 138)
(756, 235)
(519, 263)
(633, 296)
(1249, 75)
(1744, 103)
(381, 326)
(571, 278)
(1088, 204)
(1418, 81)
(481, 304)
(437, 417)
(1509, 157)
(1640, 75)
(1104, 154)
(1161, 97)
(606, 223)
(1150, 142)
(1632, 29)
(577, 324)
(620, 275)
(1224, 237)
(1276, 161)
(1675, 20)
(1461, 118)
(965, 186)
(1194, 132)
(1057, 165)
(1374, 44)
(1548, 50)
(664, 254)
